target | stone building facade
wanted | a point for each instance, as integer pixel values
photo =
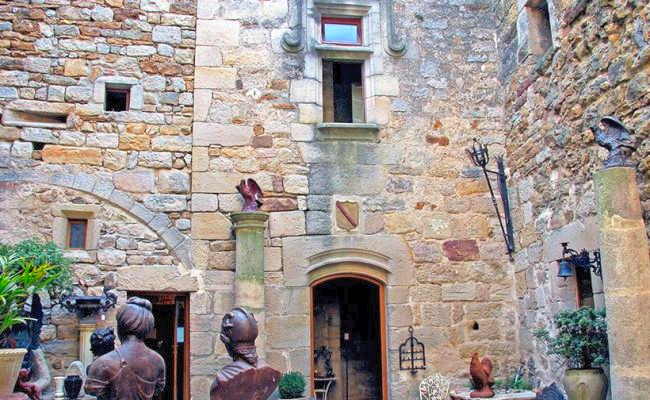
(221, 90)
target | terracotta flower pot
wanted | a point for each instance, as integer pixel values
(585, 384)
(10, 362)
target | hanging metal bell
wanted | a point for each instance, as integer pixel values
(565, 270)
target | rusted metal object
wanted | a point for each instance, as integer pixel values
(616, 138)
(252, 194)
(132, 372)
(246, 377)
(481, 373)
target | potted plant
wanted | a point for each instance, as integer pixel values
(292, 386)
(25, 270)
(581, 341)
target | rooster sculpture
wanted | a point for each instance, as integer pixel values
(252, 194)
(481, 373)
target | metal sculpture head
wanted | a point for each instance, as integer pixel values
(252, 194)
(135, 318)
(102, 341)
(612, 135)
(238, 333)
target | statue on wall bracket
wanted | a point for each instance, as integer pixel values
(616, 138)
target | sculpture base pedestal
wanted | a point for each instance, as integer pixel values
(528, 395)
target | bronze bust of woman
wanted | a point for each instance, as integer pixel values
(132, 372)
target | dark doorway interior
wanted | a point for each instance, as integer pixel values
(171, 340)
(347, 323)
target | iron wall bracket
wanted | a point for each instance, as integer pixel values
(480, 157)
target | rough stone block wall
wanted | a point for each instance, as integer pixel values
(598, 65)
(28, 210)
(58, 147)
(256, 111)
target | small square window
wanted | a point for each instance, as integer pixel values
(343, 99)
(346, 31)
(77, 229)
(117, 98)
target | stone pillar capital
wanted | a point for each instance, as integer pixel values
(249, 220)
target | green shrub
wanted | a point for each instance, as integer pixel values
(19, 279)
(581, 340)
(41, 253)
(292, 385)
(509, 383)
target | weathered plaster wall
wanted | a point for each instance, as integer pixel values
(256, 111)
(598, 66)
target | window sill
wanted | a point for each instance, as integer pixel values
(348, 131)
(336, 52)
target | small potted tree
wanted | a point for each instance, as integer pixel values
(292, 386)
(581, 341)
(25, 270)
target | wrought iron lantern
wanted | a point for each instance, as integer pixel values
(481, 157)
(583, 260)
(411, 354)
(86, 305)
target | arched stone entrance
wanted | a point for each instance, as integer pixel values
(348, 324)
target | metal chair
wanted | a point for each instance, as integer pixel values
(435, 387)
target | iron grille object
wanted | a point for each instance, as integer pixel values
(411, 354)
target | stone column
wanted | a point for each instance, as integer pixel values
(626, 279)
(85, 355)
(249, 267)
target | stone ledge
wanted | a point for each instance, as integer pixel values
(348, 131)
(343, 53)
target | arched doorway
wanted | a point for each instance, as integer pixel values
(348, 321)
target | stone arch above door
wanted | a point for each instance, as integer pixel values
(383, 257)
(179, 244)
(349, 261)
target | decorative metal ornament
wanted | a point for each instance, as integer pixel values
(347, 215)
(86, 305)
(480, 157)
(411, 354)
(583, 260)
(327, 360)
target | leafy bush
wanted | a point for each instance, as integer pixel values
(509, 383)
(581, 340)
(38, 254)
(292, 385)
(19, 279)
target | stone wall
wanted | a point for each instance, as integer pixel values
(257, 110)
(57, 58)
(60, 149)
(597, 66)
(121, 241)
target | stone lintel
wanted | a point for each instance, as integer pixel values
(348, 131)
(155, 279)
(343, 53)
